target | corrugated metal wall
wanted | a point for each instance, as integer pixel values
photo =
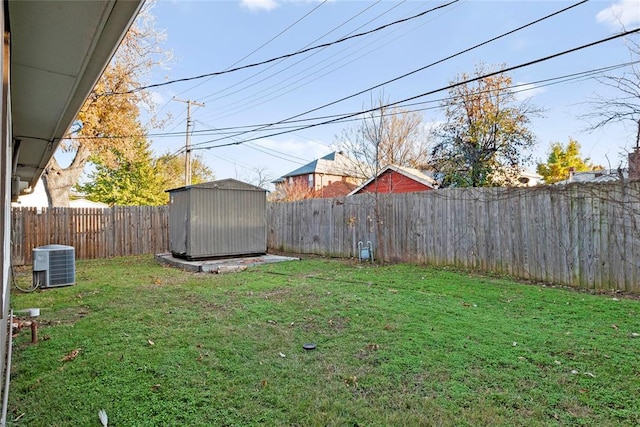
(215, 222)
(178, 221)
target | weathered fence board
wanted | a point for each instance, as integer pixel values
(584, 235)
(93, 232)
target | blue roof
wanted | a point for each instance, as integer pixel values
(335, 163)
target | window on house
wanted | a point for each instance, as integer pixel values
(290, 180)
(310, 180)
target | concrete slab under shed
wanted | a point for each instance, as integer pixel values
(223, 265)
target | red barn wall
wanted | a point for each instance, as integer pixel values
(393, 182)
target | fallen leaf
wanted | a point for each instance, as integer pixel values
(264, 383)
(514, 344)
(151, 342)
(590, 374)
(635, 335)
(71, 355)
(282, 355)
(271, 322)
(574, 372)
(557, 362)
(614, 326)
(155, 387)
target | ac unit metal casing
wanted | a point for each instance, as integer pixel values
(54, 265)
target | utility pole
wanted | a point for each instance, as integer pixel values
(187, 145)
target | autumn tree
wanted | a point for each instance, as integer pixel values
(485, 140)
(385, 136)
(562, 160)
(109, 118)
(129, 180)
(291, 192)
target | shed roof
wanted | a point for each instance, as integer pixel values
(221, 184)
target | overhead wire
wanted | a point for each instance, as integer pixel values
(448, 87)
(269, 151)
(521, 87)
(289, 55)
(261, 46)
(369, 89)
(210, 96)
(275, 92)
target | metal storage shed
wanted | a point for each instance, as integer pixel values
(217, 219)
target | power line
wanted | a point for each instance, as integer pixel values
(290, 66)
(424, 67)
(261, 46)
(522, 87)
(293, 85)
(289, 55)
(451, 86)
(206, 97)
(437, 62)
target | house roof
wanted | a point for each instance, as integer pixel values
(335, 189)
(604, 175)
(59, 49)
(411, 173)
(221, 184)
(335, 163)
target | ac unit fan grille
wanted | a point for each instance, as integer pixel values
(62, 269)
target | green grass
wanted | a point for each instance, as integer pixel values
(397, 345)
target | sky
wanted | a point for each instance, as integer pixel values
(347, 77)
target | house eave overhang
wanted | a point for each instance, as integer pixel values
(59, 49)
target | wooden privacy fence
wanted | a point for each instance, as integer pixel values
(578, 235)
(93, 232)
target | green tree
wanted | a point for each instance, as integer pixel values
(128, 180)
(172, 168)
(561, 160)
(486, 139)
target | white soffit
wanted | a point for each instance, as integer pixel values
(58, 51)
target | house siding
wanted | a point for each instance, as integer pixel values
(5, 193)
(393, 182)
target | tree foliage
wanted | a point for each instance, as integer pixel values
(485, 140)
(111, 129)
(291, 192)
(563, 159)
(385, 136)
(128, 180)
(137, 179)
(172, 169)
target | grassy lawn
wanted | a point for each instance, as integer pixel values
(397, 345)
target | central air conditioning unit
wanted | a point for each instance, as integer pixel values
(53, 266)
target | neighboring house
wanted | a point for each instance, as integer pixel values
(53, 53)
(603, 175)
(397, 179)
(321, 175)
(529, 179)
(38, 199)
